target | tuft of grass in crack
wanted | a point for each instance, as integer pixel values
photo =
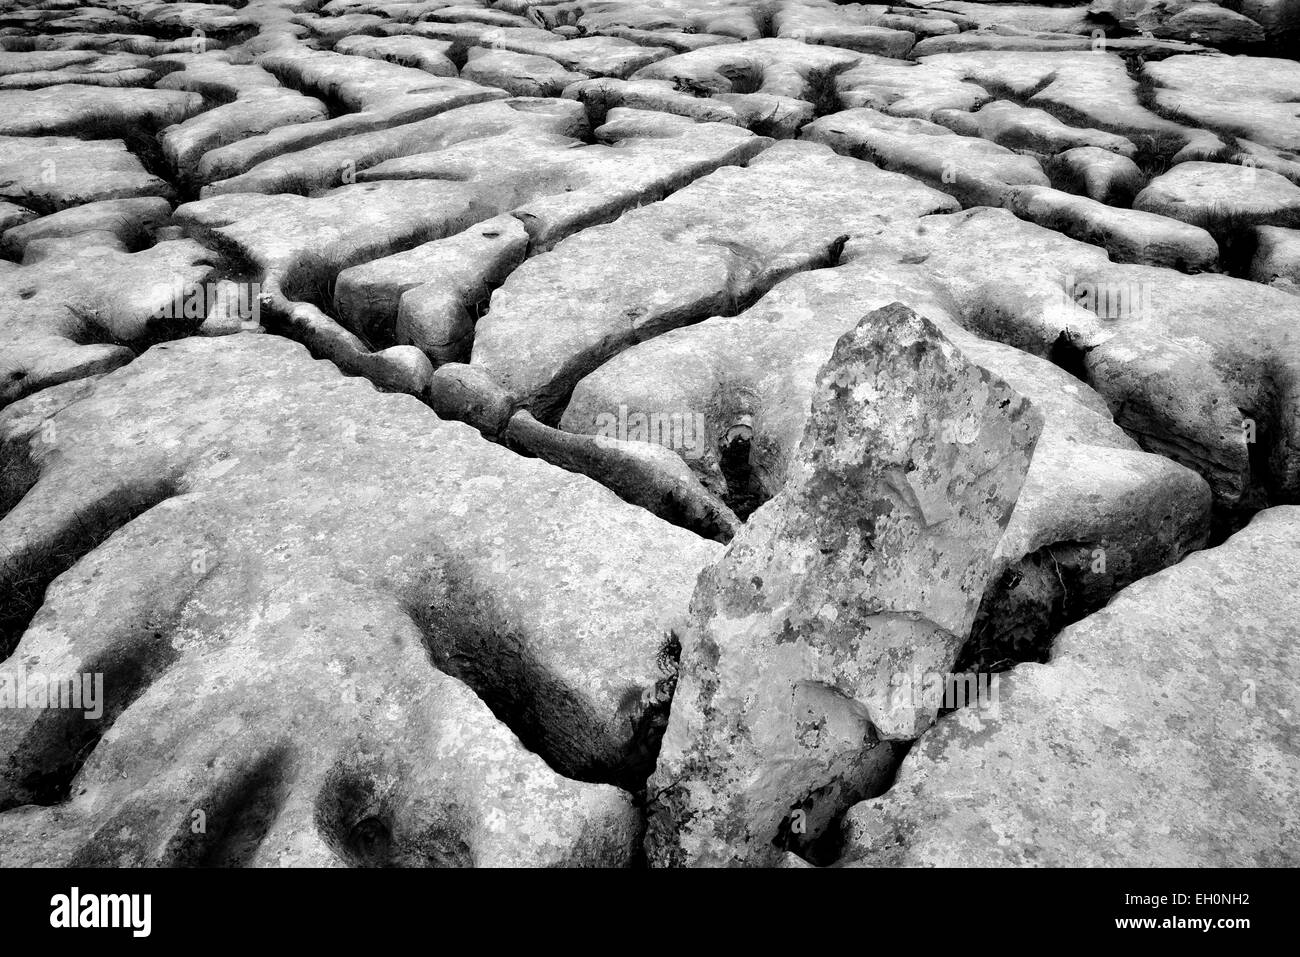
(299, 183)
(1062, 174)
(23, 594)
(745, 77)
(135, 234)
(823, 92)
(1155, 151)
(599, 100)
(159, 329)
(26, 576)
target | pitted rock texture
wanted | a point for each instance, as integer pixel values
(869, 563)
(234, 581)
(1184, 677)
(753, 376)
(572, 270)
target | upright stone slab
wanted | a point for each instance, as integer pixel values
(869, 563)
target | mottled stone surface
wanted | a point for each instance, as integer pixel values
(752, 377)
(75, 108)
(870, 561)
(1197, 368)
(975, 171)
(124, 223)
(219, 521)
(571, 272)
(75, 309)
(1128, 235)
(1277, 257)
(713, 243)
(1223, 197)
(50, 173)
(1161, 734)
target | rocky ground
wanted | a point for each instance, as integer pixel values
(668, 432)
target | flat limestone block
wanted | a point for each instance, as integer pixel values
(1129, 235)
(1161, 733)
(687, 257)
(73, 108)
(976, 171)
(1222, 197)
(242, 526)
(51, 173)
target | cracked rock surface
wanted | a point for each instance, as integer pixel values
(783, 699)
(517, 432)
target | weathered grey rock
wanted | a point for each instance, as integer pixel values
(1032, 18)
(330, 30)
(52, 61)
(1099, 174)
(251, 102)
(1277, 257)
(592, 55)
(1009, 40)
(1279, 18)
(296, 262)
(777, 67)
(766, 113)
(92, 19)
(769, 114)
(76, 109)
(974, 171)
(850, 27)
(617, 259)
(602, 95)
(519, 74)
(1162, 733)
(726, 18)
(643, 473)
(125, 223)
(216, 74)
(1181, 20)
(1088, 89)
(103, 43)
(343, 161)
(255, 113)
(12, 215)
(72, 310)
(703, 250)
(50, 173)
(1090, 492)
(1247, 153)
(1128, 235)
(419, 52)
(314, 239)
(379, 96)
(872, 560)
(466, 393)
(558, 185)
(1198, 368)
(1022, 128)
(1223, 197)
(213, 19)
(1250, 97)
(674, 42)
(246, 460)
(230, 307)
(904, 88)
(427, 296)
(114, 69)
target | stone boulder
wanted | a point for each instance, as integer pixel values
(870, 562)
